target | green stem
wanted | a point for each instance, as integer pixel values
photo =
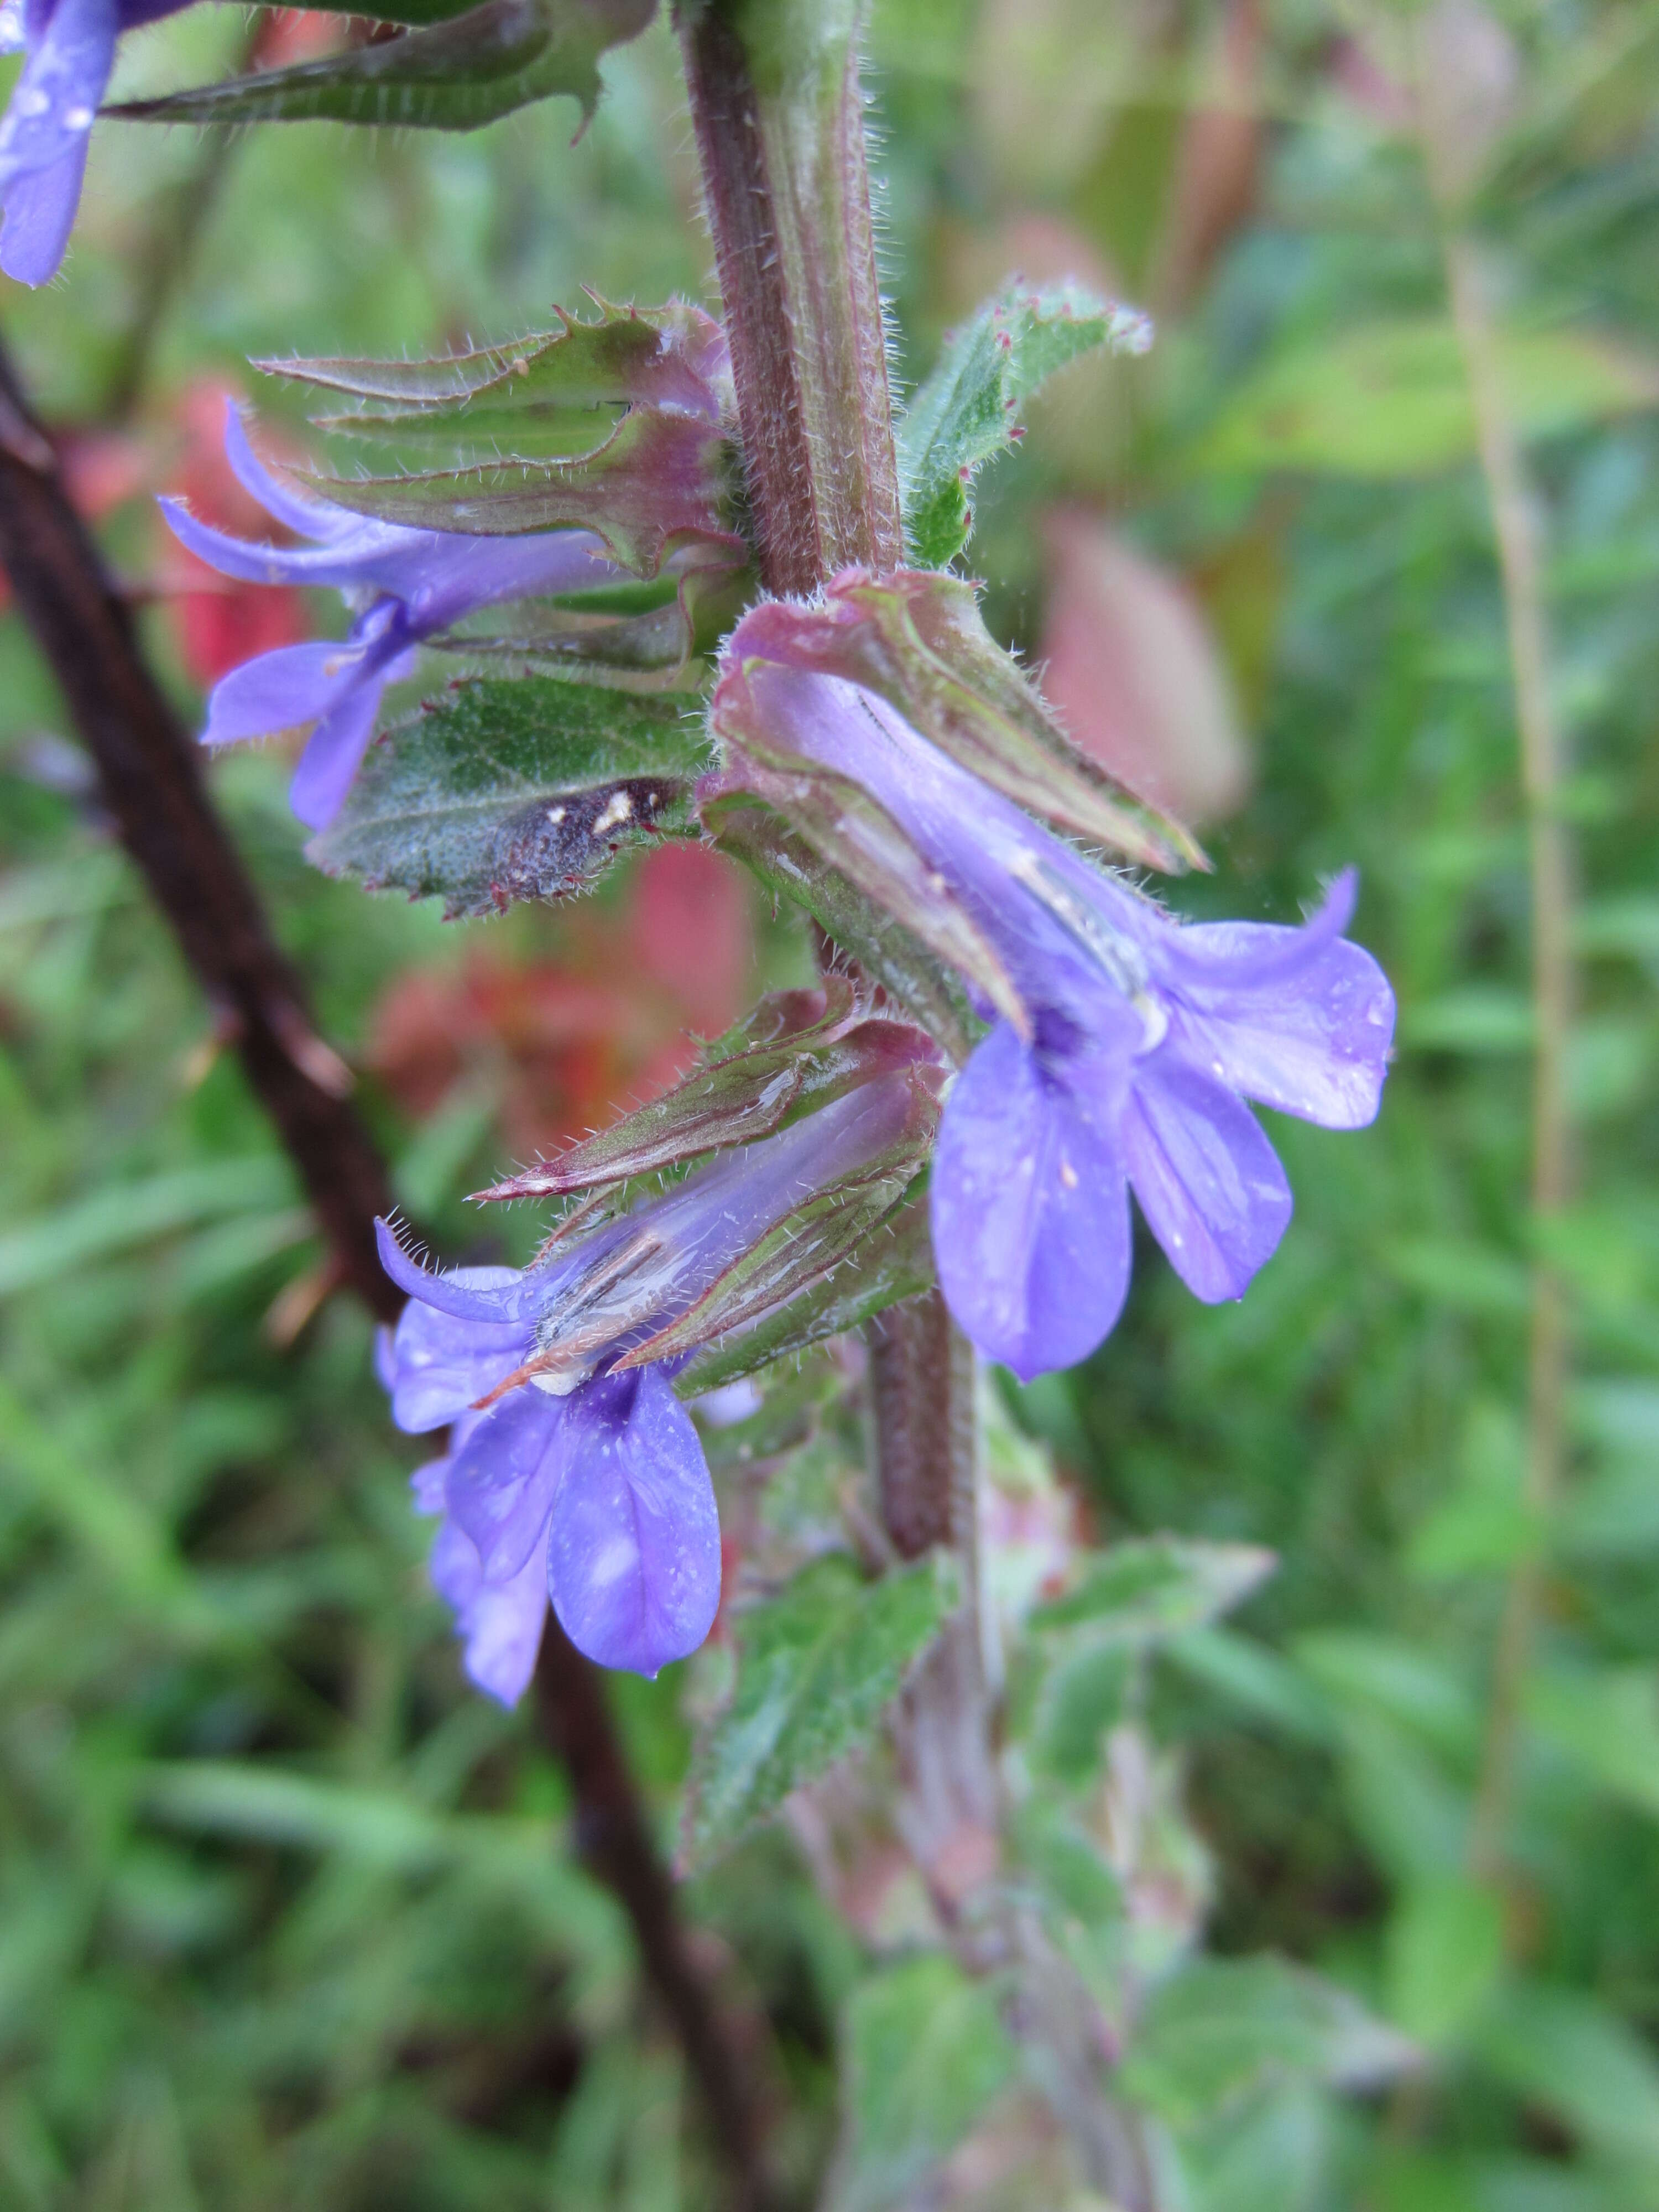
(1515, 527)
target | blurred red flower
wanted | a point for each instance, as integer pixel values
(569, 1041)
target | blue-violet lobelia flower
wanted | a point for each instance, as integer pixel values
(70, 50)
(1145, 1037)
(569, 1476)
(404, 584)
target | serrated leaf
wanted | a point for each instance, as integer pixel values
(452, 74)
(894, 1261)
(1224, 2029)
(926, 2054)
(816, 1666)
(969, 409)
(918, 641)
(735, 1098)
(801, 1255)
(498, 792)
(789, 866)
(1155, 1587)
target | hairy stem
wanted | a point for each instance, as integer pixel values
(151, 781)
(1515, 527)
(780, 128)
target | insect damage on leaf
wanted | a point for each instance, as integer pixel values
(544, 852)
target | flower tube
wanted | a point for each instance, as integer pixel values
(570, 1474)
(1144, 1037)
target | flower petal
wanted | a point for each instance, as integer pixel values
(441, 1364)
(44, 134)
(1298, 1019)
(40, 214)
(334, 753)
(1208, 1181)
(633, 1552)
(311, 518)
(501, 1478)
(500, 1622)
(492, 1294)
(284, 689)
(1030, 1215)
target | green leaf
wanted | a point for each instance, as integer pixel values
(1559, 2048)
(1155, 1587)
(1445, 1954)
(827, 1046)
(1606, 1722)
(453, 72)
(969, 409)
(673, 357)
(816, 1666)
(1391, 398)
(790, 867)
(894, 1260)
(122, 1214)
(926, 2054)
(503, 791)
(655, 482)
(1224, 2030)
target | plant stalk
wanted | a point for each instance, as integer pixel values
(1550, 865)
(779, 119)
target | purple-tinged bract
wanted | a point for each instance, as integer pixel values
(1142, 1040)
(570, 1476)
(70, 50)
(405, 585)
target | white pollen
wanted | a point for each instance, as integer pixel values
(1068, 1175)
(620, 806)
(556, 815)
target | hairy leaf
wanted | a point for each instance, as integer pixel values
(453, 72)
(655, 481)
(926, 2056)
(736, 1097)
(918, 641)
(1156, 1586)
(816, 1666)
(895, 1260)
(968, 408)
(890, 955)
(673, 357)
(1223, 2029)
(499, 792)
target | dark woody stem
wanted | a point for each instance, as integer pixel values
(151, 780)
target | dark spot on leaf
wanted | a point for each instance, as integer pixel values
(554, 844)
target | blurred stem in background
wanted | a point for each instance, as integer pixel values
(1453, 145)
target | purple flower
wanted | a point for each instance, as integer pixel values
(569, 1474)
(1144, 1038)
(405, 585)
(70, 45)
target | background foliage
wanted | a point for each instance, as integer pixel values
(279, 1919)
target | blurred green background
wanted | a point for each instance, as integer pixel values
(284, 1921)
